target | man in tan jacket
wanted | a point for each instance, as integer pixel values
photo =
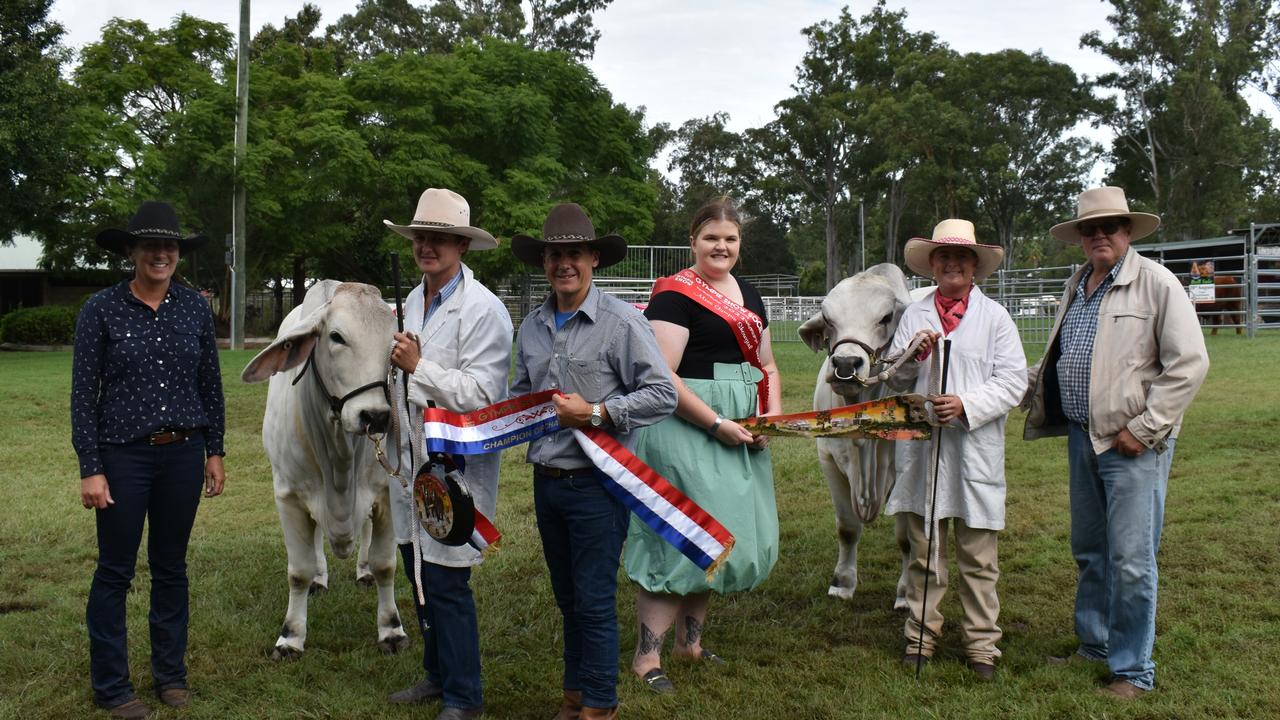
(1125, 358)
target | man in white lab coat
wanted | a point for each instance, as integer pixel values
(456, 348)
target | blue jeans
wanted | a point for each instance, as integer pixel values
(160, 485)
(1117, 513)
(450, 630)
(582, 528)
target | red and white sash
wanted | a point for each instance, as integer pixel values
(670, 513)
(747, 327)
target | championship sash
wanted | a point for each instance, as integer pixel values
(747, 327)
(670, 513)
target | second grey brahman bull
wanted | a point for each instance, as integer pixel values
(856, 324)
(327, 479)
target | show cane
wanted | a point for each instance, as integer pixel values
(404, 375)
(938, 373)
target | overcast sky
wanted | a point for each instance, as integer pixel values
(683, 59)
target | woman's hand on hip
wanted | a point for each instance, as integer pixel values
(94, 492)
(214, 476)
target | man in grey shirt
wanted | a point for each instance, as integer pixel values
(601, 353)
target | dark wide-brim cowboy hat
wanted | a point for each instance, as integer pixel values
(445, 211)
(1105, 202)
(154, 220)
(568, 224)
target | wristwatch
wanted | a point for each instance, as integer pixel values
(596, 418)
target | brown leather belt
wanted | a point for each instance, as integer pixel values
(164, 437)
(555, 472)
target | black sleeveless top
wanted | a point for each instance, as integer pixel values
(711, 340)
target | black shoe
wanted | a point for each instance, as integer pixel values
(420, 693)
(657, 681)
(913, 659)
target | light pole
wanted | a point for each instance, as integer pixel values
(239, 278)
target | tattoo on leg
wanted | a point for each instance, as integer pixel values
(650, 642)
(692, 631)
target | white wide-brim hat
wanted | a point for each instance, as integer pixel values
(1105, 202)
(448, 212)
(954, 233)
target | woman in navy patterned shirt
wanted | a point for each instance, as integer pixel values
(147, 426)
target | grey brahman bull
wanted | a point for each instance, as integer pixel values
(327, 479)
(856, 324)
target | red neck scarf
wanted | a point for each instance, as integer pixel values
(950, 310)
(747, 327)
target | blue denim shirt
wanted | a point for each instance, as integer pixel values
(607, 353)
(1079, 329)
(138, 370)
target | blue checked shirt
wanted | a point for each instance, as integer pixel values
(1079, 328)
(138, 370)
(441, 296)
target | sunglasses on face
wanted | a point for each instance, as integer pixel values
(1108, 227)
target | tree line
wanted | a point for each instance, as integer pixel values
(887, 128)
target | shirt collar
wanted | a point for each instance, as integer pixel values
(125, 293)
(589, 308)
(448, 289)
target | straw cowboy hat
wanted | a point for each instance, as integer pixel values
(445, 211)
(568, 224)
(955, 233)
(154, 220)
(1105, 202)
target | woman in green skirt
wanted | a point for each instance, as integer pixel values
(712, 331)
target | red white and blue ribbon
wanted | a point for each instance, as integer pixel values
(670, 513)
(484, 534)
(489, 429)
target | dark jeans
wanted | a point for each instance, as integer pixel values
(450, 631)
(582, 528)
(160, 485)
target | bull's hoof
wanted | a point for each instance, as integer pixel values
(285, 652)
(840, 593)
(393, 644)
(365, 580)
(317, 589)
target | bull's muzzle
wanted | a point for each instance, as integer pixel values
(375, 421)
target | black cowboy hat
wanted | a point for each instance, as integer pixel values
(568, 224)
(155, 220)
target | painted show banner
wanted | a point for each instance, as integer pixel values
(899, 417)
(747, 327)
(659, 504)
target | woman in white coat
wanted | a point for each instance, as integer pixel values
(986, 378)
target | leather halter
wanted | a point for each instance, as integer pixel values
(336, 403)
(873, 355)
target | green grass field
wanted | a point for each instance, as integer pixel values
(792, 651)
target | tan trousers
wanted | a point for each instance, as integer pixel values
(975, 551)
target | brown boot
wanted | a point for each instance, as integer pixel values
(590, 713)
(571, 707)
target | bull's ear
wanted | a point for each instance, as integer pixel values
(814, 332)
(288, 350)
